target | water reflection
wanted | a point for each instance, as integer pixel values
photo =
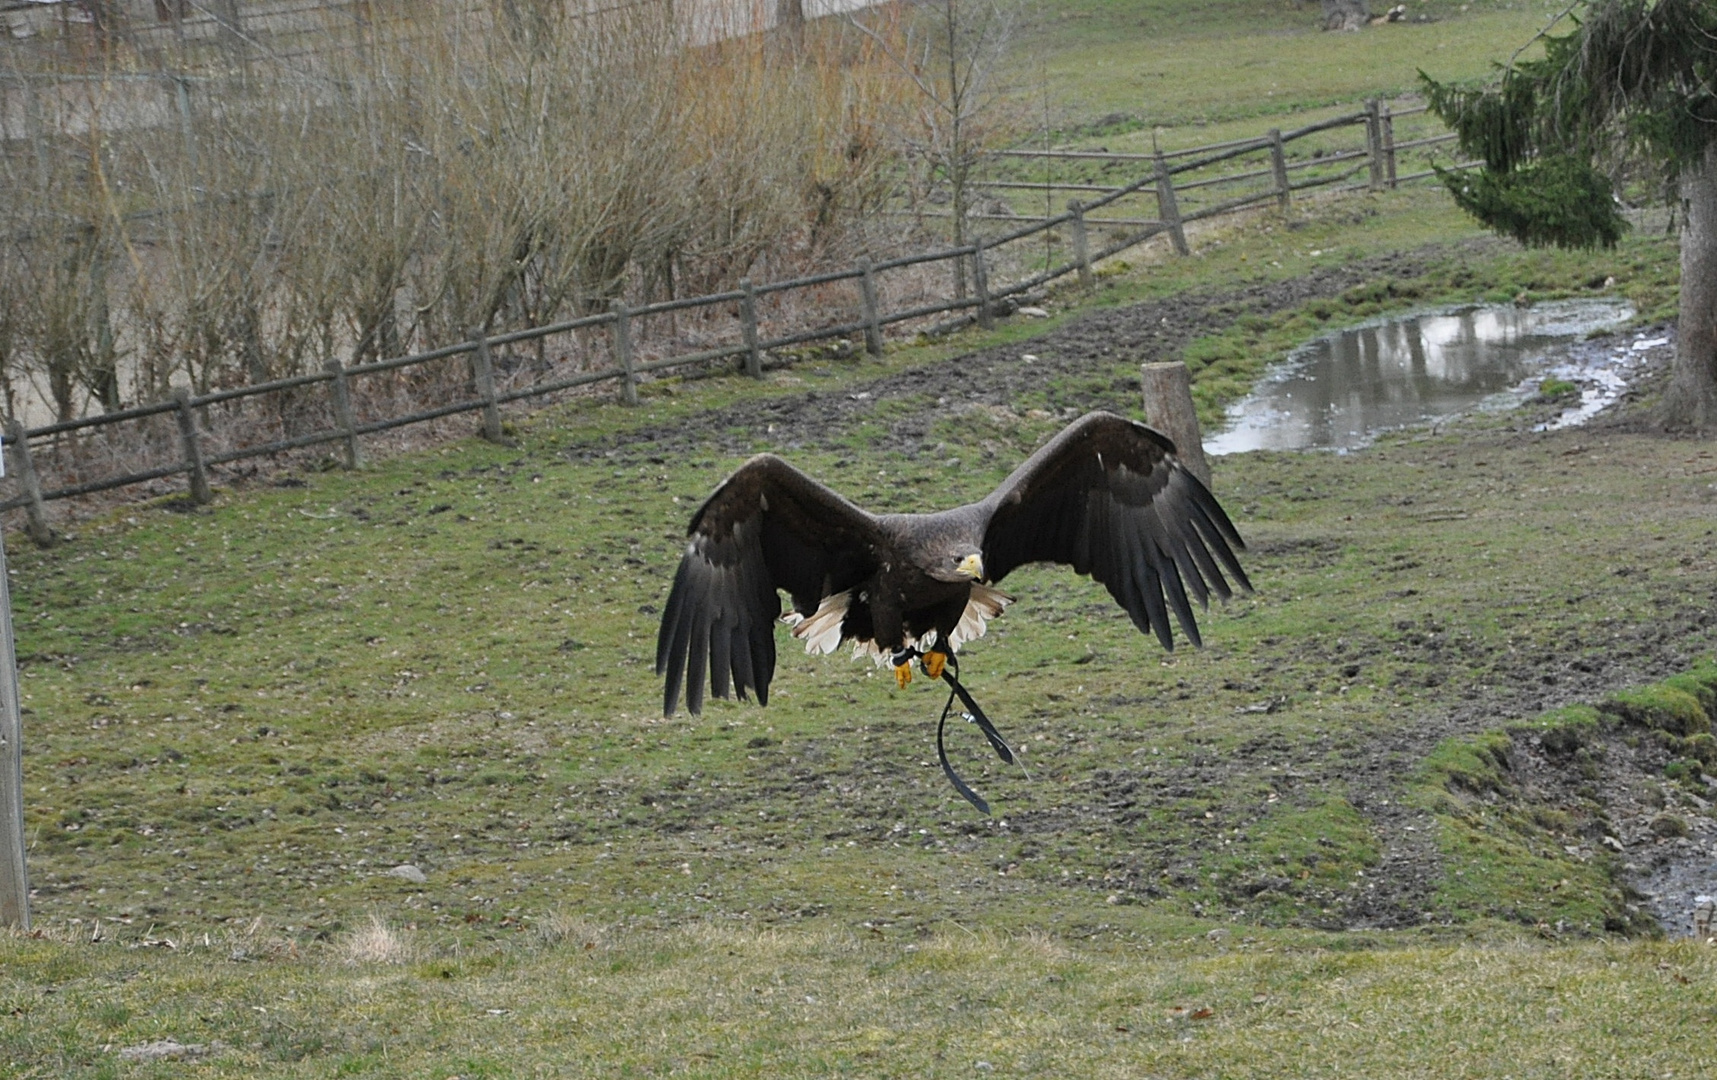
(1339, 391)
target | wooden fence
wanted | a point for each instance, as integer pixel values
(977, 296)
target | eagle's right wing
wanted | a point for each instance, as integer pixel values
(767, 527)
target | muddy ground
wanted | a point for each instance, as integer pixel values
(1471, 693)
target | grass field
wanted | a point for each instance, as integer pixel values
(715, 1001)
(1156, 63)
(241, 717)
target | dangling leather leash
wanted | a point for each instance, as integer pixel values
(973, 714)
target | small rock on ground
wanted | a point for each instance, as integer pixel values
(167, 1050)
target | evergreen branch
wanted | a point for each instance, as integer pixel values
(1536, 38)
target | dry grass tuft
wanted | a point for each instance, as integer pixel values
(377, 943)
(562, 927)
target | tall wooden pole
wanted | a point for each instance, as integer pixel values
(981, 285)
(623, 352)
(872, 322)
(1374, 141)
(14, 878)
(748, 328)
(200, 492)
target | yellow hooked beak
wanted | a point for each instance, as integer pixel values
(971, 566)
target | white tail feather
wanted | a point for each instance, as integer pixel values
(822, 631)
(985, 604)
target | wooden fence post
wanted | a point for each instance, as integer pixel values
(1389, 145)
(1081, 244)
(1374, 140)
(193, 445)
(343, 412)
(14, 875)
(623, 352)
(1168, 209)
(1279, 166)
(748, 327)
(483, 374)
(981, 286)
(1169, 409)
(35, 511)
(872, 320)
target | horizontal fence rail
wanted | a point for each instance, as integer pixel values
(978, 270)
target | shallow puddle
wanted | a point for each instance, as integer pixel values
(1339, 392)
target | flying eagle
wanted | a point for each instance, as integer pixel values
(1106, 496)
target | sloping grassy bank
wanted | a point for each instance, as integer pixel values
(1532, 816)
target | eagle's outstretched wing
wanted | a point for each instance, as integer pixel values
(1107, 497)
(767, 527)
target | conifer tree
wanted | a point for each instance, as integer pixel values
(1629, 82)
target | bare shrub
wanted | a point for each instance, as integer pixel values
(389, 184)
(952, 53)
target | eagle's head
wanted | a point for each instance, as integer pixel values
(961, 564)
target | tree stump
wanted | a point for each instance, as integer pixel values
(1168, 408)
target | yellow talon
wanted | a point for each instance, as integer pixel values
(903, 674)
(934, 662)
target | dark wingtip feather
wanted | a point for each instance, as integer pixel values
(1218, 533)
(697, 656)
(720, 657)
(1192, 635)
(671, 688)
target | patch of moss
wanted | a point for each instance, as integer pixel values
(1477, 765)
(1301, 858)
(1701, 683)
(1669, 825)
(1673, 706)
(1702, 748)
(1682, 771)
(1512, 856)
(1562, 732)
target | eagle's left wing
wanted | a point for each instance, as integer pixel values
(1108, 497)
